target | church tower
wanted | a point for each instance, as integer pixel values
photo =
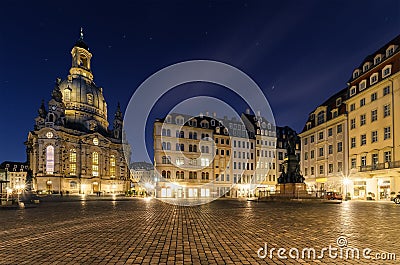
(71, 149)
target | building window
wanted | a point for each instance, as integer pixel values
(330, 132)
(339, 146)
(353, 163)
(330, 168)
(67, 94)
(305, 141)
(386, 90)
(374, 96)
(362, 120)
(387, 70)
(390, 51)
(50, 159)
(362, 102)
(321, 151)
(362, 85)
(377, 59)
(373, 79)
(321, 117)
(338, 102)
(353, 142)
(375, 159)
(339, 166)
(386, 110)
(339, 128)
(388, 156)
(95, 164)
(312, 170)
(312, 154)
(363, 161)
(320, 135)
(353, 90)
(112, 166)
(374, 136)
(366, 67)
(96, 141)
(374, 115)
(72, 162)
(330, 149)
(192, 175)
(363, 139)
(166, 160)
(356, 73)
(305, 156)
(352, 107)
(312, 139)
(306, 171)
(386, 133)
(321, 169)
(352, 124)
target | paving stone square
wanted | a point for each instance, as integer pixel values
(147, 231)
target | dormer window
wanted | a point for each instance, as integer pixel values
(387, 70)
(338, 102)
(366, 67)
(378, 59)
(362, 85)
(334, 113)
(356, 73)
(353, 90)
(321, 117)
(312, 116)
(390, 50)
(179, 120)
(169, 119)
(374, 78)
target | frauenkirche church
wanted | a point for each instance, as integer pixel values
(71, 149)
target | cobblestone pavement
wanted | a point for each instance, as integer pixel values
(223, 232)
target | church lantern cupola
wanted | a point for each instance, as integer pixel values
(81, 59)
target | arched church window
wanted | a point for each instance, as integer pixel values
(67, 94)
(72, 162)
(50, 159)
(112, 166)
(95, 164)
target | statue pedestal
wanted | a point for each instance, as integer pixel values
(292, 190)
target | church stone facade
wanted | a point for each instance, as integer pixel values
(71, 149)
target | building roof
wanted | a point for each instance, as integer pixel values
(330, 104)
(382, 50)
(12, 164)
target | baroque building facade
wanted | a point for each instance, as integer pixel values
(208, 157)
(71, 149)
(353, 147)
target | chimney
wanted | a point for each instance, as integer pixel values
(214, 114)
(207, 114)
(201, 115)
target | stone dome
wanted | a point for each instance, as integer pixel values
(82, 97)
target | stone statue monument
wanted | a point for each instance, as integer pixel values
(291, 182)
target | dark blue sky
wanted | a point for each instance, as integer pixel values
(299, 52)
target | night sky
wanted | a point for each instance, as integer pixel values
(298, 52)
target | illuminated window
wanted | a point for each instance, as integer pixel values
(67, 94)
(49, 135)
(95, 141)
(112, 166)
(95, 164)
(72, 162)
(50, 159)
